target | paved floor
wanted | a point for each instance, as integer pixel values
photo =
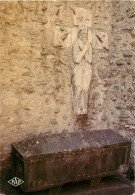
(108, 186)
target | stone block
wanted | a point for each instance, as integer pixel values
(45, 161)
(82, 17)
(120, 62)
(127, 53)
(100, 40)
(62, 36)
(10, 101)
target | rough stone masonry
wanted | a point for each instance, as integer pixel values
(36, 64)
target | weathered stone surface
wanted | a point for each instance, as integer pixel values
(118, 37)
(62, 36)
(100, 40)
(133, 32)
(82, 17)
(127, 53)
(61, 155)
(120, 62)
(35, 83)
(128, 61)
(75, 33)
(10, 101)
(123, 57)
(81, 70)
(133, 44)
(127, 26)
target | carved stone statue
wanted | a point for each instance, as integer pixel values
(62, 36)
(81, 70)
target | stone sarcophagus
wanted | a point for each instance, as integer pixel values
(45, 161)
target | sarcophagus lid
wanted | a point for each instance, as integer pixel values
(43, 144)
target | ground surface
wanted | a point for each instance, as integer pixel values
(108, 186)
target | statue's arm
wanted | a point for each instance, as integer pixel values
(88, 56)
(77, 54)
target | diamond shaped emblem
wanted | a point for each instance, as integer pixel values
(15, 181)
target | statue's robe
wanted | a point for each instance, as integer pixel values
(81, 77)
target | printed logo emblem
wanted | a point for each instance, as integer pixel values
(15, 181)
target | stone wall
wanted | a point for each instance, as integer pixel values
(121, 81)
(36, 94)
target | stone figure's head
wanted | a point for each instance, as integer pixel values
(83, 33)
